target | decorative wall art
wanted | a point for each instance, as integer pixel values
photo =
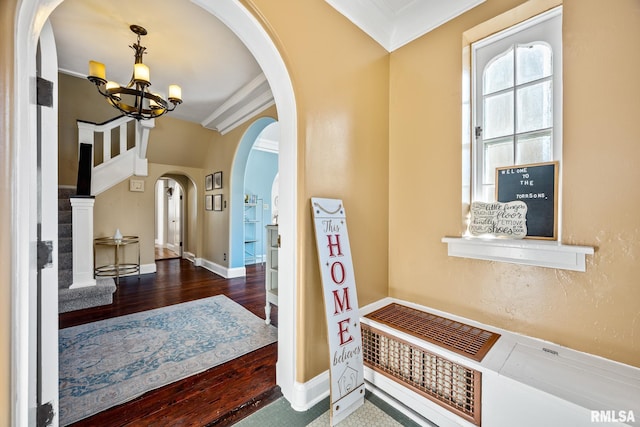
(217, 202)
(208, 202)
(499, 219)
(208, 182)
(217, 180)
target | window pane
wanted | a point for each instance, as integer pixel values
(488, 193)
(496, 153)
(534, 148)
(534, 107)
(533, 62)
(498, 115)
(499, 73)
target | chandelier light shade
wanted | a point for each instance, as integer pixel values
(134, 99)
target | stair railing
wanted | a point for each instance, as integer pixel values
(114, 166)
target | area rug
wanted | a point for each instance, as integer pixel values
(106, 363)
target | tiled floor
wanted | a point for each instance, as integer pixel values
(374, 413)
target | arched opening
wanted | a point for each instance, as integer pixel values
(30, 18)
(238, 172)
(174, 215)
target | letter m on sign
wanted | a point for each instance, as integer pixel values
(341, 307)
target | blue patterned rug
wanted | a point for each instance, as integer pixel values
(106, 363)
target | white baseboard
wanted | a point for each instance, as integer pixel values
(227, 273)
(147, 268)
(189, 256)
(305, 395)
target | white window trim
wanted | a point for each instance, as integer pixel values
(539, 24)
(525, 252)
(550, 254)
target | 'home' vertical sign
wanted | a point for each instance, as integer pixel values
(341, 306)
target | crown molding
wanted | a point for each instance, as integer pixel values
(394, 23)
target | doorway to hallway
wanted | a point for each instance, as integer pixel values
(225, 392)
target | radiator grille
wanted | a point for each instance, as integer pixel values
(451, 385)
(465, 340)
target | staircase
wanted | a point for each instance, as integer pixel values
(75, 299)
(122, 143)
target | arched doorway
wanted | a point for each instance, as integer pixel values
(237, 189)
(30, 17)
(171, 213)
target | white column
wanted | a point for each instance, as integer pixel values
(82, 229)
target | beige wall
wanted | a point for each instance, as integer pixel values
(7, 13)
(78, 100)
(340, 79)
(596, 311)
(134, 212)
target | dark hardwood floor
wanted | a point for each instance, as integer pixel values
(217, 397)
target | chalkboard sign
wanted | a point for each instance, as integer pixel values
(537, 186)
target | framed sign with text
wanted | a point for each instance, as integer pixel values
(537, 186)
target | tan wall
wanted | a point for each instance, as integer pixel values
(7, 14)
(134, 212)
(340, 79)
(596, 311)
(78, 100)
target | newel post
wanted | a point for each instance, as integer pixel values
(82, 241)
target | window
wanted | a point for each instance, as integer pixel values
(532, 113)
(516, 102)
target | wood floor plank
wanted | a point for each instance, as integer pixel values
(218, 396)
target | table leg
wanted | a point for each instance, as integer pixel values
(117, 265)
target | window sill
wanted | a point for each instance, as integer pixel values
(528, 252)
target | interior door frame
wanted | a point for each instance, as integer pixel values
(30, 16)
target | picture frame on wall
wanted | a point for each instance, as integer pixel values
(208, 182)
(208, 202)
(217, 202)
(217, 180)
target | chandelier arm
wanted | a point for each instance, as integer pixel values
(136, 88)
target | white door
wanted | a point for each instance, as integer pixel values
(174, 218)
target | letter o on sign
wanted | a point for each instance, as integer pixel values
(337, 273)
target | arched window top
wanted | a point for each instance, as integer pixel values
(518, 65)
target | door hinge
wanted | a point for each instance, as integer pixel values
(45, 254)
(478, 132)
(44, 92)
(45, 415)
(278, 240)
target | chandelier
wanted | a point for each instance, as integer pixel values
(134, 99)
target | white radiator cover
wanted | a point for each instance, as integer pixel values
(526, 382)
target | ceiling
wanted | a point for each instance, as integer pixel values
(394, 23)
(222, 84)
